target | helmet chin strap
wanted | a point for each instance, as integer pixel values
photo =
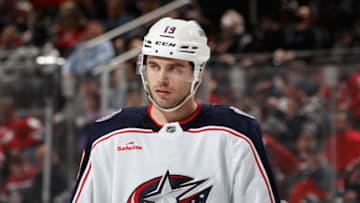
(194, 86)
(172, 108)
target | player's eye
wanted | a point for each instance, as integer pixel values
(174, 68)
(154, 67)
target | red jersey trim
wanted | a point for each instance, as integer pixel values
(181, 122)
(83, 183)
(81, 162)
(252, 149)
(117, 133)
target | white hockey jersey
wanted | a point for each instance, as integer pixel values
(215, 156)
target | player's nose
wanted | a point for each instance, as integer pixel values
(163, 76)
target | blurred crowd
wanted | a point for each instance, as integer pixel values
(307, 103)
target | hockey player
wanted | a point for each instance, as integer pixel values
(175, 150)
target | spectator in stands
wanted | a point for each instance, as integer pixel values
(47, 4)
(233, 37)
(18, 133)
(351, 192)
(220, 81)
(116, 11)
(125, 80)
(143, 7)
(281, 157)
(280, 113)
(134, 43)
(293, 100)
(92, 9)
(274, 120)
(313, 183)
(310, 105)
(46, 12)
(9, 38)
(89, 92)
(58, 179)
(6, 137)
(91, 113)
(24, 19)
(337, 92)
(87, 111)
(306, 140)
(92, 105)
(70, 28)
(2, 157)
(345, 39)
(284, 163)
(20, 179)
(119, 45)
(88, 86)
(84, 60)
(3, 163)
(342, 148)
(6, 8)
(146, 6)
(353, 88)
(300, 34)
(191, 12)
(268, 35)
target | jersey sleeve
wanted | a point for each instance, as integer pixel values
(84, 189)
(251, 171)
(93, 181)
(95, 176)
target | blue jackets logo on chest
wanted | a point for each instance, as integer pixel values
(171, 189)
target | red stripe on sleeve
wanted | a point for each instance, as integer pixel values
(83, 183)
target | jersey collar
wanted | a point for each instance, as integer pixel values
(192, 117)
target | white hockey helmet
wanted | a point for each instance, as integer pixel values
(177, 39)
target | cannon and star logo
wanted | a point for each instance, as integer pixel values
(171, 188)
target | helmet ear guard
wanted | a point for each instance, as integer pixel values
(177, 39)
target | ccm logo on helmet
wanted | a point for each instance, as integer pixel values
(166, 44)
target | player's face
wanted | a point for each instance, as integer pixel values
(169, 80)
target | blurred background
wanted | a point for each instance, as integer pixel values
(294, 65)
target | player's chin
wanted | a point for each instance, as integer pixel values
(166, 104)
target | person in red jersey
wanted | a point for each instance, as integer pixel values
(20, 179)
(15, 132)
(353, 86)
(343, 148)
